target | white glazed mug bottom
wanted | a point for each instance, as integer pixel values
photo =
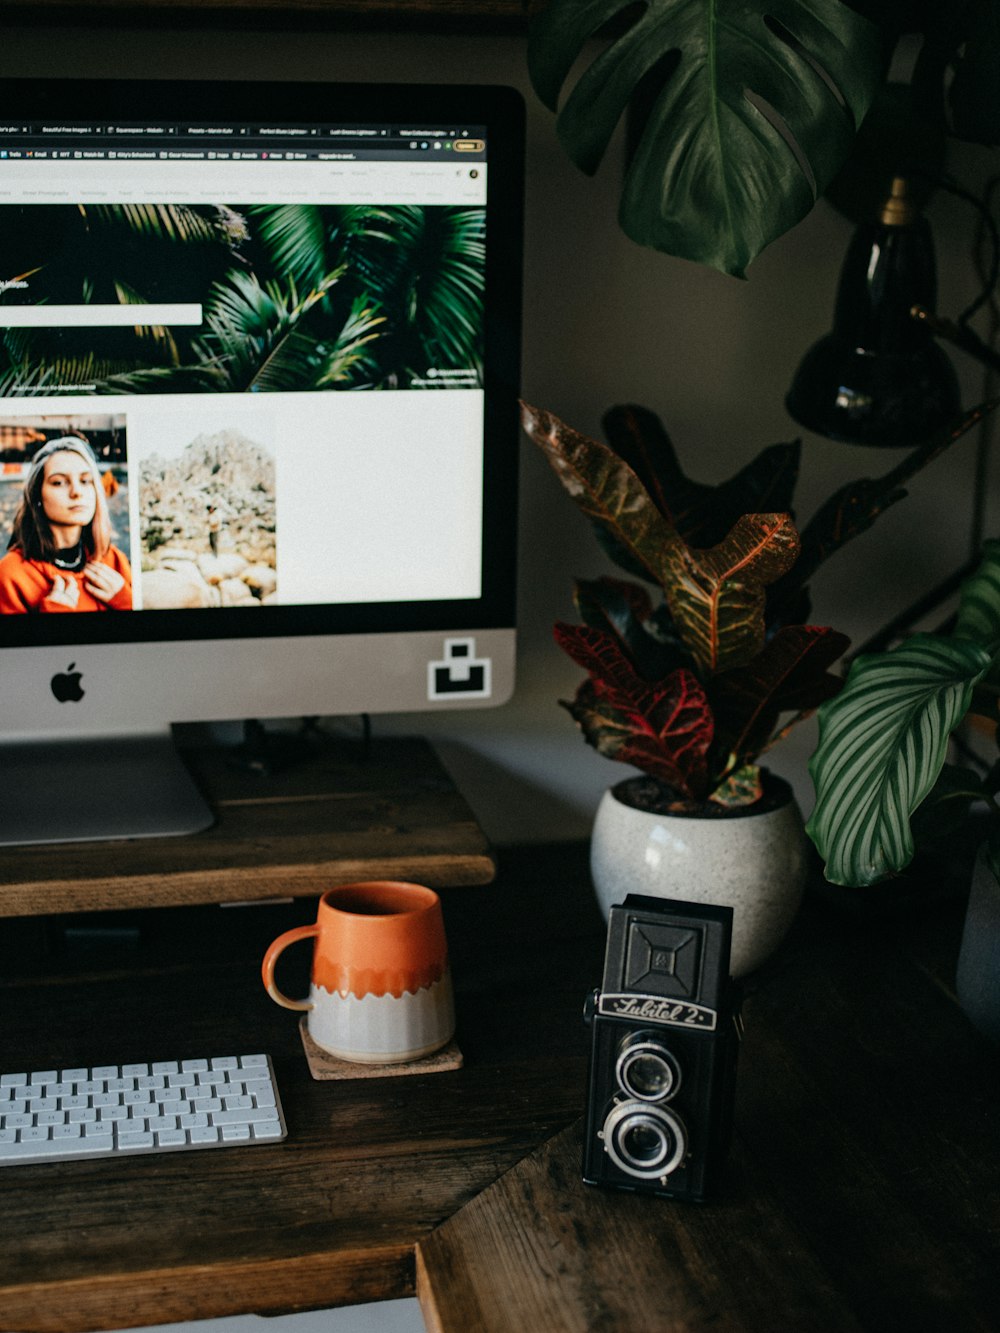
(383, 1029)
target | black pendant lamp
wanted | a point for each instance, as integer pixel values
(879, 377)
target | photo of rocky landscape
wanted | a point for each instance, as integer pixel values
(207, 524)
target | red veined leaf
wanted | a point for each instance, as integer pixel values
(663, 727)
(716, 596)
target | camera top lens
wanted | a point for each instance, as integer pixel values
(646, 1069)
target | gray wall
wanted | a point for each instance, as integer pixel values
(608, 322)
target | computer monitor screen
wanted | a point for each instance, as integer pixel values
(259, 352)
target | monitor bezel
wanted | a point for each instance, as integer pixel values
(501, 111)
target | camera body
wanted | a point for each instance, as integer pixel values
(665, 1036)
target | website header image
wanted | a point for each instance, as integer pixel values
(64, 514)
(158, 297)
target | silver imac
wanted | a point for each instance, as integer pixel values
(259, 355)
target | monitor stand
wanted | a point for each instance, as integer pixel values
(97, 789)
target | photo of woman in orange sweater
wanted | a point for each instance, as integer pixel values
(61, 557)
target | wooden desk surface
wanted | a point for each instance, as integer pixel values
(865, 1183)
(391, 812)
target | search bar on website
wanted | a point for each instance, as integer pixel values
(97, 316)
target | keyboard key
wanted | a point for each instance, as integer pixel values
(11, 1153)
(171, 1138)
(134, 1139)
(243, 1117)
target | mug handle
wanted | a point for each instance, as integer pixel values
(271, 958)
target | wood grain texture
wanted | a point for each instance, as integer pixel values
(539, 1249)
(864, 1180)
(863, 1192)
(330, 820)
(331, 1215)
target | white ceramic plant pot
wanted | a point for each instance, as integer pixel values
(977, 979)
(755, 863)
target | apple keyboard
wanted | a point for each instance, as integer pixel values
(116, 1110)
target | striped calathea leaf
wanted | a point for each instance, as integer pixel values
(883, 742)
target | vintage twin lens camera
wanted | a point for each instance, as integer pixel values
(663, 1056)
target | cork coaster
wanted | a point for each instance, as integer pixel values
(323, 1065)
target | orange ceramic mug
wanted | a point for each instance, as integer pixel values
(380, 989)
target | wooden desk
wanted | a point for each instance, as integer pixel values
(865, 1182)
(385, 812)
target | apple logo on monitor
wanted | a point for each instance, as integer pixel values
(66, 685)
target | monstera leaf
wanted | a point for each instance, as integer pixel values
(882, 745)
(665, 728)
(752, 111)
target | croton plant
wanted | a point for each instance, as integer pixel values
(693, 673)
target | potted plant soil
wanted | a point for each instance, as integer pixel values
(697, 670)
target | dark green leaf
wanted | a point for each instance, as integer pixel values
(701, 513)
(791, 674)
(944, 811)
(625, 609)
(752, 111)
(979, 604)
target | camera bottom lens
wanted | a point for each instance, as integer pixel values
(644, 1141)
